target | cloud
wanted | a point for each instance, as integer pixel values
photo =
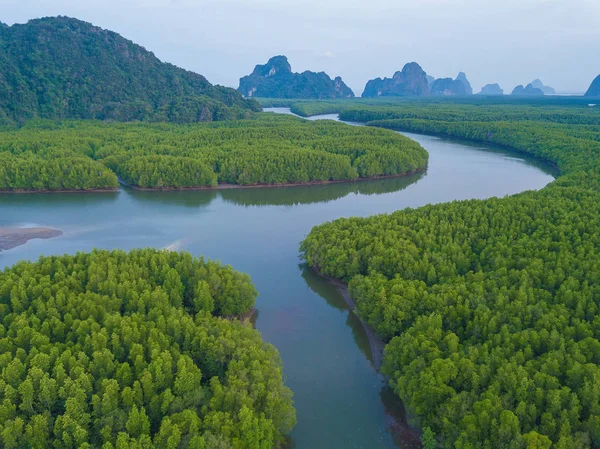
(327, 55)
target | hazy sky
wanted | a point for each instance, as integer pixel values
(506, 41)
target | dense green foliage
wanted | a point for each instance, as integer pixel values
(59, 67)
(129, 350)
(490, 307)
(268, 149)
(65, 173)
(275, 79)
(440, 106)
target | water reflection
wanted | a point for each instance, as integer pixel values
(291, 196)
(398, 423)
(186, 198)
(277, 196)
(334, 297)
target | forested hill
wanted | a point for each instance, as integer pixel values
(59, 67)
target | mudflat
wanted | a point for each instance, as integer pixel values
(13, 237)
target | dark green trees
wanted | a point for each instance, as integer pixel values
(58, 67)
(267, 150)
(490, 307)
(128, 350)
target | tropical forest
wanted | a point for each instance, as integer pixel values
(269, 261)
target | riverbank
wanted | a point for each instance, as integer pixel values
(376, 344)
(398, 419)
(23, 191)
(226, 186)
(12, 237)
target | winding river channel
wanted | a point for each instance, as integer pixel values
(341, 400)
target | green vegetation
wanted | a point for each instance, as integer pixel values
(267, 150)
(439, 106)
(130, 350)
(490, 307)
(58, 67)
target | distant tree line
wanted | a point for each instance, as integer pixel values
(84, 155)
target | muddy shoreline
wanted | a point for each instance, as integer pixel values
(376, 344)
(409, 438)
(225, 186)
(12, 237)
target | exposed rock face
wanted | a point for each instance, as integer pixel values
(594, 90)
(430, 81)
(527, 91)
(491, 89)
(462, 77)
(275, 79)
(411, 81)
(537, 83)
(448, 86)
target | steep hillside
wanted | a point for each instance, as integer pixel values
(59, 67)
(275, 79)
(411, 81)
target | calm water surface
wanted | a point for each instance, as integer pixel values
(342, 402)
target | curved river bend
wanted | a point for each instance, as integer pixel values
(342, 402)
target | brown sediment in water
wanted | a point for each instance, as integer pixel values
(13, 237)
(402, 432)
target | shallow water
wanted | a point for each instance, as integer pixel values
(342, 402)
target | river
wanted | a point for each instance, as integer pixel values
(341, 400)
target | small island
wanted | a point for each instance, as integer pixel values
(275, 79)
(491, 89)
(528, 91)
(412, 81)
(13, 237)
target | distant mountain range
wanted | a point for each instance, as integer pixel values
(546, 90)
(414, 81)
(275, 79)
(59, 67)
(411, 81)
(491, 89)
(528, 90)
(449, 86)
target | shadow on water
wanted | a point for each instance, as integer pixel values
(186, 198)
(331, 294)
(291, 196)
(276, 196)
(398, 423)
(56, 199)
